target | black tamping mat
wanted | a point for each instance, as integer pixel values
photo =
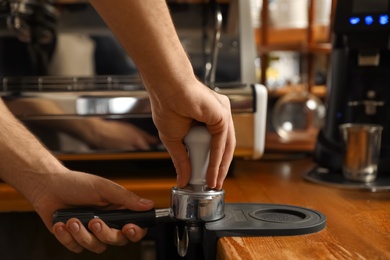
(252, 219)
(336, 179)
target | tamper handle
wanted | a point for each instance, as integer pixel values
(197, 142)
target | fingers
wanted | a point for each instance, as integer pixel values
(133, 232)
(64, 236)
(227, 157)
(181, 162)
(116, 237)
(118, 195)
(221, 154)
(75, 237)
(223, 143)
(205, 106)
(222, 147)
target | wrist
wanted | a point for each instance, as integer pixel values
(169, 84)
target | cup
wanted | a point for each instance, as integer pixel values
(362, 144)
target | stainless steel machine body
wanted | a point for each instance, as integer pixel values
(63, 113)
(72, 114)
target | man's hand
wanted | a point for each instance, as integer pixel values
(75, 189)
(174, 118)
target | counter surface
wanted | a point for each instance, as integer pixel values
(358, 222)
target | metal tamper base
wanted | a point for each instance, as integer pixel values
(208, 218)
(196, 203)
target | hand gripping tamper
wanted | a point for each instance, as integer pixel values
(191, 206)
(200, 214)
(196, 203)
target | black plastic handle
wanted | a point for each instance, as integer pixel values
(113, 218)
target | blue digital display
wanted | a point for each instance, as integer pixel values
(383, 19)
(356, 16)
(354, 20)
(368, 19)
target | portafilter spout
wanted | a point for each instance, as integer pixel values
(196, 203)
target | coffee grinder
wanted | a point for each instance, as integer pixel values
(358, 81)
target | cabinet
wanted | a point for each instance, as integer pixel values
(309, 42)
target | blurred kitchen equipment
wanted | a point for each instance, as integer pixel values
(83, 117)
(33, 22)
(361, 148)
(211, 63)
(200, 214)
(298, 116)
(90, 110)
(358, 85)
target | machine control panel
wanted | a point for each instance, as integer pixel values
(362, 15)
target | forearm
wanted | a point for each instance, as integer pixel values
(25, 163)
(145, 29)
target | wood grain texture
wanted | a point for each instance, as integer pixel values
(358, 222)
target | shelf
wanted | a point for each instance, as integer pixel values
(298, 47)
(320, 48)
(319, 91)
(273, 142)
(293, 39)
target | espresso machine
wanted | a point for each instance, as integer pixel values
(63, 107)
(60, 110)
(358, 81)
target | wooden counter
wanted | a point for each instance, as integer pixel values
(358, 223)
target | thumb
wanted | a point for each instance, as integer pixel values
(116, 194)
(138, 203)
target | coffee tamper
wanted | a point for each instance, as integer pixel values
(191, 206)
(196, 203)
(200, 214)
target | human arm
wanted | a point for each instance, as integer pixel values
(178, 98)
(32, 170)
(96, 132)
